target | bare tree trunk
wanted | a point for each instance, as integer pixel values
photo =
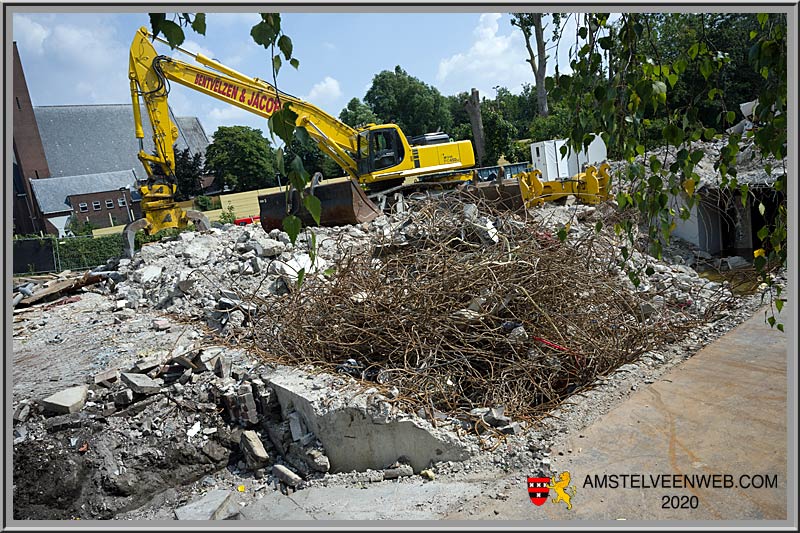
(473, 107)
(531, 25)
(540, 70)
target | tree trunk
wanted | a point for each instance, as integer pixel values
(473, 108)
(540, 69)
(538, 59)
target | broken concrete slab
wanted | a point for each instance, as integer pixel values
(144, 365)
(296, 426)
(213, 506)
(253, 449)
(23, 411)
(140, 384)
(107, 376)
(67, 401)
(150, 274)
(357, 433)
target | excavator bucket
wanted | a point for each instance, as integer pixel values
(343, 202)
(504, 196)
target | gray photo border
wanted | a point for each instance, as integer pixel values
(789, 8)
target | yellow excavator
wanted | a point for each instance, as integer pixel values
(376, 156)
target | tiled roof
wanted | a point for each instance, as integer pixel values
(192, 131)
(92, 139)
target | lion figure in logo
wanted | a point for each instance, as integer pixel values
(564, 492)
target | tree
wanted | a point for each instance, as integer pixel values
(641, 79)
(411, 104)
(313, 159)
(241, 158)
(500, 134)
(357, 114)
(532, 25)
(79, 227)
(188, 173)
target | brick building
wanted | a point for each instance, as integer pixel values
(103, 199)
(30, 162)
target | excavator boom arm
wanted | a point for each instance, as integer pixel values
(150, 75)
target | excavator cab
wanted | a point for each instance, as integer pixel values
(379, 149)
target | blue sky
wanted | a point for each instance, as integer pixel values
(72, 58)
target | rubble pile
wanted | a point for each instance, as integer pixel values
(179, 414)
(415, 296)
(750, 165)
(209, 275)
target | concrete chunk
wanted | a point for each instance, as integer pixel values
(399, 471)
(150, 274)
(123, 398)
(354, 432)
(160, 324)
(286, 476)
(144, 365)
(140, 384)
(109, 376)
(213, 506)
(253, 449)
(67, 401)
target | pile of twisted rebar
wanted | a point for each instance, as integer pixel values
(465, 311)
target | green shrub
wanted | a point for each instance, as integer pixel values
(227, 216)
(653, 133)
(203, 203)
(519, 152)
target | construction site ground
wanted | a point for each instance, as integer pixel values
(696, 417)
(689, 421)
(665, 415)
(430, 363)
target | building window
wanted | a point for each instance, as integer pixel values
(121, 202)
(82, 207)
(109, 204)
(96, 205)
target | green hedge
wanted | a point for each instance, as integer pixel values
(78, 253)
(83, 253)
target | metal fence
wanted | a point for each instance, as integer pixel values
(49, 254)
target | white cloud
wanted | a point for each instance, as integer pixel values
(196, 48)
(325, 92)
(495, 57)
(29, 34)
(73, 63)
(228, 114)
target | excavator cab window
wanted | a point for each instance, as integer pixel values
(383, 150)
